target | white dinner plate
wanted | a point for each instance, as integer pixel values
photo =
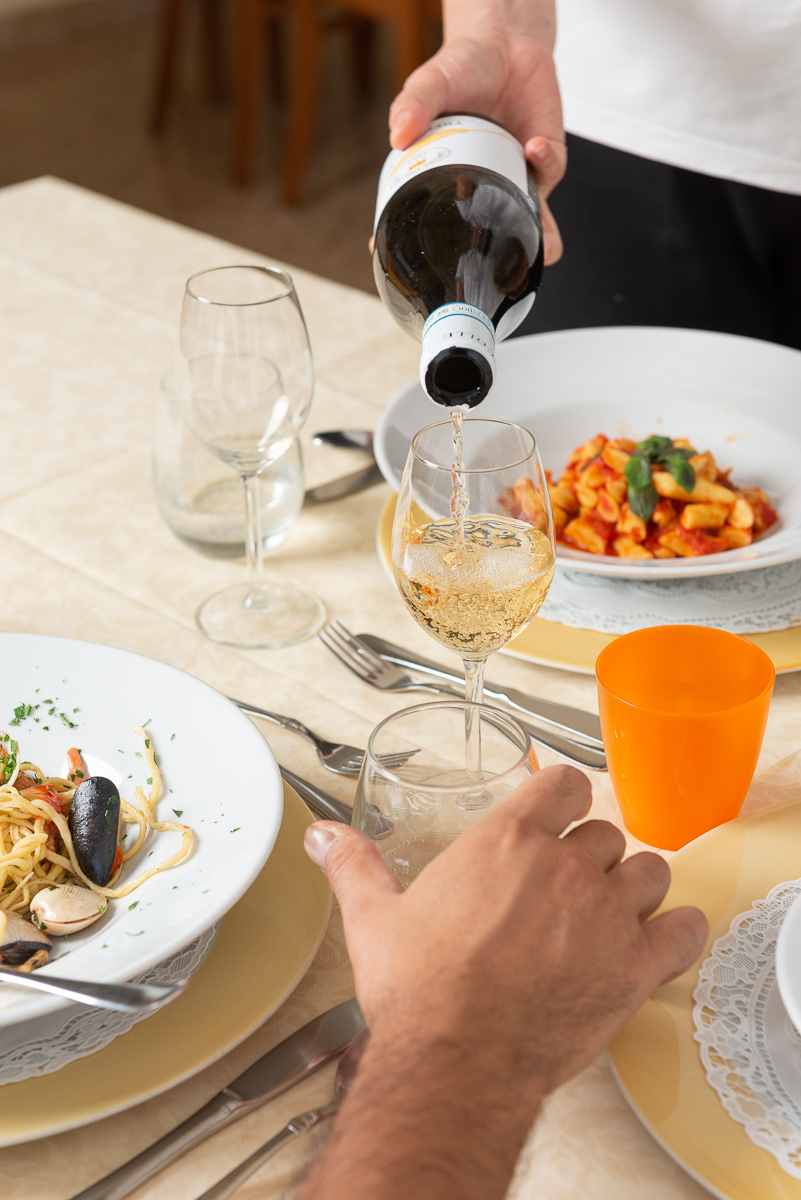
(788, 963)
(218, 773)
(738, 397)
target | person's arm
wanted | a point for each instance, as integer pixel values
(505, 968)
(497, 61)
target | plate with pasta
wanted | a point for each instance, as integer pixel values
(137, 805)
(670, 452)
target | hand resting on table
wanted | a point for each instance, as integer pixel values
(505, 968)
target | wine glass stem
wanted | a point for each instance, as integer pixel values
(473, 693)
(253, 541)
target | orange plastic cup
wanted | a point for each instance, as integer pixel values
(683, 713)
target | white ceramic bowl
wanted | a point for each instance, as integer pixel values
(218, 772)
(733, 395)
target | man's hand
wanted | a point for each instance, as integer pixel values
(497, 61)
(505, 967)
(538, 942)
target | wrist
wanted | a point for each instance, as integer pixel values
(488, 20)
(449, 1114)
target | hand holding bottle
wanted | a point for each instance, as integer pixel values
(496, 60)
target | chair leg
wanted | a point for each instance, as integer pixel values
(304, 89)
(170, 30)
(248, 43)
(363, 50)
(276, 52)
(211, 36)
(410, 50)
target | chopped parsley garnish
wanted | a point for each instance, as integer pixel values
(132, 906)
(179, 812)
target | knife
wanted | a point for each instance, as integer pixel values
(323, 803)
(346, 485)
(283, 1066)
(574, 722)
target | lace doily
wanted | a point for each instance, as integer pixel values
(47, 1044)
(744, 602)
(750, 1049)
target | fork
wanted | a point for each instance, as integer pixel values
(387, 677)
(337, 756)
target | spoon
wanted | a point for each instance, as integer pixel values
(121, 997)
(346, 1072)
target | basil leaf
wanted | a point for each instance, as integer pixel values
(638, 471)
(682, 472)
(643, 501)
(684, 451)
(654, 446)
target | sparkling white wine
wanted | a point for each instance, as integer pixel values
(474, 597)
(458, 250)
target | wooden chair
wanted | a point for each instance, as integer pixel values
(310, 19)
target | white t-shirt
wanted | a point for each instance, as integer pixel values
(711, 85)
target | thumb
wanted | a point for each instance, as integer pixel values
(423, 97)
(355, 869)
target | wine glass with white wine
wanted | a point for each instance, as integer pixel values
(244, 383)
(471, 574)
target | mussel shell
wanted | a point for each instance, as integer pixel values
(66, 908)
(94, 822)
(20, 941)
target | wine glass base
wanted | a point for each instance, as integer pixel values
(266, 618)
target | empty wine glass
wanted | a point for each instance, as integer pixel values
(473, 548)
(244, 381)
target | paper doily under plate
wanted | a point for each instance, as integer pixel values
(46, 1044)
(750, 1048)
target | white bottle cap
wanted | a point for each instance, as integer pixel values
(457, 361)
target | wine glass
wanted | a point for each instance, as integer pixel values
(473, 548)
(244, 381)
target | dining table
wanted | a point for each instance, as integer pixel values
(89, 306)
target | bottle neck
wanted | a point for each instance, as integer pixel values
(457, 360)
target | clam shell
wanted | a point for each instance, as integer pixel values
(21, 940)
(66, 908)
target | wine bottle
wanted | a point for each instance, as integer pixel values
(458, 250)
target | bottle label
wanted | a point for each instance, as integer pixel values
(463, 141)
(457, 326)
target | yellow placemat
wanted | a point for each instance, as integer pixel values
(263, 948)
(554, 645)
(656, 1057)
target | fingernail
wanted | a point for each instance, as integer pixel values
(539, 151)
(317, 842)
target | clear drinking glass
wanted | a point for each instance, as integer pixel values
(200, 497)
(415, 811)
(244, 383)
(473, 548)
